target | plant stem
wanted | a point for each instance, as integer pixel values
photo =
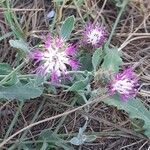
(57, 84)
(21, 76)
(125, 2)
(34, 75)
(9, 75)
(79, 72)
(99, 134)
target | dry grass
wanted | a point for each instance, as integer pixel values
(113, 128)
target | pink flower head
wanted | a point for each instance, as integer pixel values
(47, 40)
(70, 50)
(74, 64)
(36, 55)
(94, 35)
(54, 58)
(125, 84)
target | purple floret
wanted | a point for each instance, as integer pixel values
(94, 35)
(125, 83)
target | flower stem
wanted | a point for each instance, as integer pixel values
(9, 75)
(79, 72)
(21, 76)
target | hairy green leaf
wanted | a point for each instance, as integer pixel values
(76, 141)
(13, 80)
(86, 62)
(67, 27)
(79, 85)
(20, 91)
(19, 44)
(44, 146)
(5, 69)
(50, 136)
(97, 58)
(90, 138)
(135, 108)
(112, 60)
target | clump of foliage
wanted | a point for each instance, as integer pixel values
(62, 64)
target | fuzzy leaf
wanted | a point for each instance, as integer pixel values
(76, 141)
(97, 58)
(5, 69)
(135, 108)
(79, 85)
(67, 27)
(90, 138)
(86, 62)
(50, 136)
(112, 60)
(81, 139)
(13, 80)
(19, 44)
(20, 91)
(44, 146)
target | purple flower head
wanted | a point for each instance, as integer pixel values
(54, 57)
(47, 40)
(94, 35)
(74, 64)
(125, 84)
(36, 55)
(70, 50)
(59, 42)
(54, 76)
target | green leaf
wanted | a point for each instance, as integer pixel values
(5, 69)
(20, 91)
(137, 124)
(19, 44)
(135, 108)
(97, 58)
(76, 141)
(13, 80)
(44, 146)
(50, 136)
(79, 85)
(112, 60)
(90, 138)
(81, 139)
(67, 27)
(86, 62)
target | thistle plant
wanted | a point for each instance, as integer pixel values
(58, 57)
